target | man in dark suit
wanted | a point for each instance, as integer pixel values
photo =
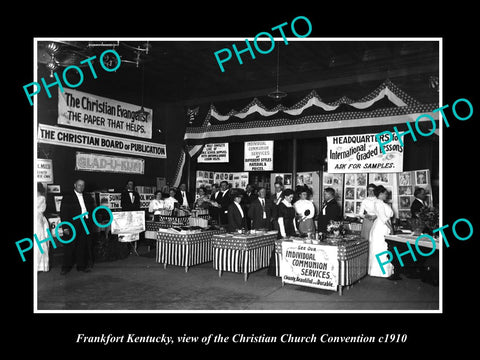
(247, 199)
(330, 210)
(79, 250)
(261, 211)
(419, 202)
(130, 199)
(277, 197)
(224, 200)
(236, 214)
(184, 197)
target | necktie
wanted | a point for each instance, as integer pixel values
(262, 201)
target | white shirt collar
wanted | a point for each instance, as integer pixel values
(77, 193)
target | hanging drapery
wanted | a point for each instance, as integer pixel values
(383, 108)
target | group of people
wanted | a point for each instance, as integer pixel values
(377, 217)
(286, 211)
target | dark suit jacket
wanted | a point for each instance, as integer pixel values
(178, 196)
(255, 213)
(224, 201)
(332, 212)
(126, 202)
(70, 208)
(235, 219)
(415, 208)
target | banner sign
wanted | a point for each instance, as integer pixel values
(214, 153)
(109, 163)
(81, 139)
(258, 156)
(145, 200)
(128, 222)
(114, 200)
(309, 265)
(110, 200)
(362, 154)
(82, 110)
(45, 171)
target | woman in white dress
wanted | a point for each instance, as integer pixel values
(156, 204)
(382, 226)
(367, 212)
(41, 260)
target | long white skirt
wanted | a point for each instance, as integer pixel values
(41, 260)
(377, 245)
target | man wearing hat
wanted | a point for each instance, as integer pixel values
(236, 214)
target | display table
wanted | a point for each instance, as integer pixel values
(337, 264)
(184, 249)
(404, 238)
(242, 253)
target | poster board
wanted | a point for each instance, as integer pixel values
(258, 155)
(44, 171)
(408, 181)
(207, 178)
(214, 153)
(128, 222)
(309, 265)
(355, 191)
(362, 154)
(108, 163)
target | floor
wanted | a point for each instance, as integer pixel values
(139, 283)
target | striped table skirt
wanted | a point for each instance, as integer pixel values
(242, 255)
(185, 249)
(352, 259)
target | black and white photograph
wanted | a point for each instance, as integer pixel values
(222, 252)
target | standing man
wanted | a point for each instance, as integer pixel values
(130, 199)
(183, 197)
(224, 200)
(419, 202)
(330, 210)
(277, 199)
(237, 219)
(261, 211)
(79, 250)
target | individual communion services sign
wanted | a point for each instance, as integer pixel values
(87, 111)
(258, 156)
(361, 153)
(309, 265)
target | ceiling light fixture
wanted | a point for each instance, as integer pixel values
(277, 94)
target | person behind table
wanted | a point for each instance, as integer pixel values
(214, 209)
(286, 215)
(130, 199)
(170, 202)
(261, 211)
(183, 196)
(165, 191)
(41, 257)
(203, 200)
(330, 210)
(156, 204)
(381, 226)
(277, 197)
(224, 200)
(367, 211)
(79, 250)
(236, 214)
(285, 223)
(419, 202)
(305, 211)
